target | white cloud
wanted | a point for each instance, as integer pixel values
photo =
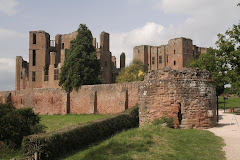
(204, 20)
(8, 7)
(7, 72)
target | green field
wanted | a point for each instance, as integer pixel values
(156, 143)
(231, 102)
(56, 122)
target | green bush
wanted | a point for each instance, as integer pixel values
(17, 123)
(54, 144)
(169, 121)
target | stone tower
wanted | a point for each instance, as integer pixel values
(122, 60)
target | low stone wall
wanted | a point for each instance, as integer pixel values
(103, 99)
(43, 101)
(187, 95)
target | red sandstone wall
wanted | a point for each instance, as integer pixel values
(164, 91)
(43, 101)
(104, 99)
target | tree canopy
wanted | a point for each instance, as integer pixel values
(81, 66)
(136, 71)
(224, 61)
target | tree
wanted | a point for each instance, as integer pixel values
(17, 123)
(228, 45)
(81, 66)
(211, 62)
(136, 71)
(223, 62)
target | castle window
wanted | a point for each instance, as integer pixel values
(160, 59)
(167, 58)
(138, 51)
(62, 45)
(174, 63)
(153, 60)
(193, 53)
(33, 76)
(174, 51)
(34, 38)
(56, 74)
(21, 75)
(105, 63)
(21, 101)
(34, 58)
(51, 100)
(46, 75)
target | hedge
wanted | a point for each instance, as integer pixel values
(56, 144)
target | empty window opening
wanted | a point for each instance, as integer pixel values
(34, 58)
(105, 63)
(193, 53)
(138, 51)
(174, 51)
(46, 75)
(174, 63)
(21, 101)
(56, 74)
(160, 59)
(167, 58)
(179, 114)
(34, 38)
(21, 75)
(33, 76)
(153, 60)
(62, 45)
(51, 100)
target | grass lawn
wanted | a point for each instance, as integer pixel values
(156, 143)
(55, 122)
(231, 102)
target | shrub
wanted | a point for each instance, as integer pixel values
(169, 121)
(17, 123)
(54, 144)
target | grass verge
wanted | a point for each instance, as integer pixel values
(231, 102)
(56, 122)
(156, 143)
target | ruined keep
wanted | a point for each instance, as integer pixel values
(47, 56)
(187, 95)
(176, 54)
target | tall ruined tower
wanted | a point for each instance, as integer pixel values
(39, 58)
(105, 58)
(122, 60)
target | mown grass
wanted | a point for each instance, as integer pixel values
(56, 122)
(156, 143)
(231, 102)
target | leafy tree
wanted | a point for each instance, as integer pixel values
(136, 71)
(223, 62)
(215, 64)
(17, 123)
(229, 51)
(81, 66)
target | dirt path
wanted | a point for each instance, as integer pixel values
(230, 134)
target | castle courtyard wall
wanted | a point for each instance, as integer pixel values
(89, 99)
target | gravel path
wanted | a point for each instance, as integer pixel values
(230, 134)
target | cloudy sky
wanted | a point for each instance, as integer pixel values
(129, 22)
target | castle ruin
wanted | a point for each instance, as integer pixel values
(188, 95)
(47, 56)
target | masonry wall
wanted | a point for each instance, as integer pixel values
(187, 92)
(43, 101)
(104, 99)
